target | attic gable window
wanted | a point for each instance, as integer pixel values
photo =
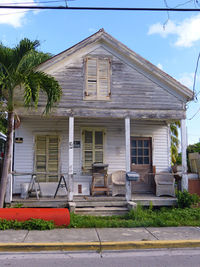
(97, 71)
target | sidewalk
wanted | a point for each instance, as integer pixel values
(100, 239)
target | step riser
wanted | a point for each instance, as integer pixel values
(102, 213)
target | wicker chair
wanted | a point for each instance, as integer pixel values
(165, 184)
(118, 183)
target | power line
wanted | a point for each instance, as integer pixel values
(42, 2)
(195, 75)
(102, 8)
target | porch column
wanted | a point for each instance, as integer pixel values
(184, 183)
(9, 186)
(128, 156)
(71, 157)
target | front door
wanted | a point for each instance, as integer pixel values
(141, 162)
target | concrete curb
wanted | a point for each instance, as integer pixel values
(97, 246)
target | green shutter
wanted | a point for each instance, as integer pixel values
(47, 158)
(92, 148)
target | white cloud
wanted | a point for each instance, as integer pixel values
(160, 66)
(187, 79)
(187, 31)
(14, 17)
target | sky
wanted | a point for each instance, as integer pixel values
(171, 41)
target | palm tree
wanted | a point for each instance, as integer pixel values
(174, 140)
(18, 69)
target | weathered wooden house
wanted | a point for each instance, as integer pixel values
(116, 108)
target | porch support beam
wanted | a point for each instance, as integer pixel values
(71, 159)
(9, 186)
(128, 156)
(184, 183)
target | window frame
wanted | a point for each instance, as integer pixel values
(150, 149)
(98, 95)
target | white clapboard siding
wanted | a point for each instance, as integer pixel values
(24, 152)
(114, 146)
(130, 87)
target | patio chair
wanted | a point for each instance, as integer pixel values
(118, 183)
(165, 184)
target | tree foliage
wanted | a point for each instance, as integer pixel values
(19, 69)
(174, 141)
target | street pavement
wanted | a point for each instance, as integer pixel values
(100, 239)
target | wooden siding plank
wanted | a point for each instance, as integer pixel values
(129, 87)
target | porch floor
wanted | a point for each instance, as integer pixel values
(97, 201)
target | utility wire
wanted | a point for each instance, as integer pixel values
(42, 2)
(194, 115)
(195, 75)
(102, 8)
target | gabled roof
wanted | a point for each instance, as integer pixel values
(104, 37)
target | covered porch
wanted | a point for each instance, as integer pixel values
(118, 134)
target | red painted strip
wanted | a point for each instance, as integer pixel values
(59, 216)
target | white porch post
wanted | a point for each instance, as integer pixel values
(9, 187)
(71, 158)
(184, 184)
(128, 156)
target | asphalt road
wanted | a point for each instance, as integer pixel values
(142, 258)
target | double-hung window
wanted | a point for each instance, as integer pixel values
(97, 78)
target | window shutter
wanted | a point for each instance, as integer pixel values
(104, 76)
(98, 146)
(92, 148)
(47, 148)
(41, 159)
(53, 157)
(91, 86)
(87, 150)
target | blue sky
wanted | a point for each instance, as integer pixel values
(175, 49)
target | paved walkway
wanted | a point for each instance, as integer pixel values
(101, 238)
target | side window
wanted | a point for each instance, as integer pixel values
(97, 80)
(141, 151)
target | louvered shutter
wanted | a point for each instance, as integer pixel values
(87, 150)
(47, 158)
(92, 148)
(98, 147)
(41, 166)
(103, 78)
(91, 87)
(53, 158)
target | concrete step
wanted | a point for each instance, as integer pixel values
(101, 204)
(102, 211)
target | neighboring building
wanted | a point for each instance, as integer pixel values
(116, 108)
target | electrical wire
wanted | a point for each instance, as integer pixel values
(41, 2)
(194, 115)
(195, 74)
(103, 8)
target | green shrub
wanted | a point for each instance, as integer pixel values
(32, 224)
(186, 200)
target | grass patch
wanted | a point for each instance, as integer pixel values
(140, 217)
(32, 224)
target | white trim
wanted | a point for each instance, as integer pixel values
(71, 158)
(128, 156)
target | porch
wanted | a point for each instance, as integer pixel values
(97, 205)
